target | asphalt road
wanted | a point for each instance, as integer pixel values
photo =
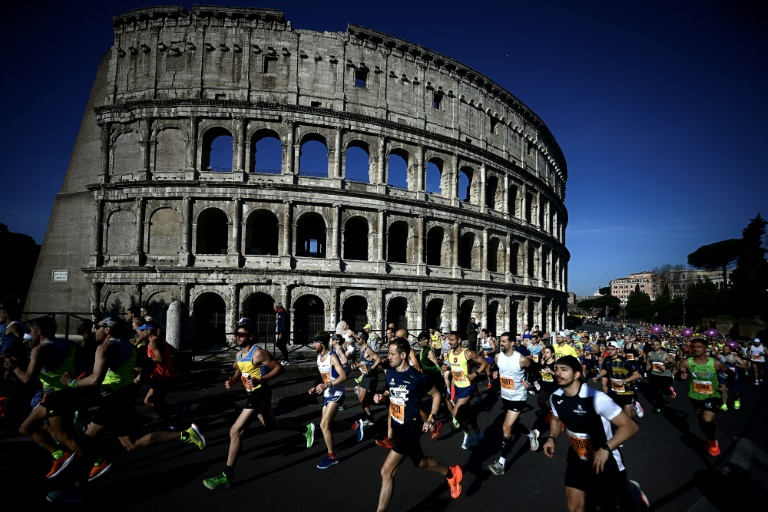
(276, 471)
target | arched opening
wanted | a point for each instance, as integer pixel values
(434, 176)
(262, 233)
(209, 320)
(491, 321)
(465, 313)
(397, 170)
(357, 163)
(356, 239)
(512, 201)
(397, 242)
(259, 308)
(465, 184)
(466, 246)
(308, 318)
(266, 153)
(435, 246)
(212, 231)
(529, 207)
(434, 314)
(491, 188)
(531, 260)
(310, 236)
(396, 313)
(314, 159)
(217, 150)
(493, 255)
(514, 254)
(355, 312)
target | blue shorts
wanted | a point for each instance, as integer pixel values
(336, 399)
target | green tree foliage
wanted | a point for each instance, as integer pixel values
(639, 306)
(750, 278)
(717, 256)
(663, 305)
(605, 290)
(599, 305)
(703, 299)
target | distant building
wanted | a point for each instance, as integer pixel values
(653, 284)
(624, 286)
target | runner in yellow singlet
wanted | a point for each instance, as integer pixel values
(462, 376)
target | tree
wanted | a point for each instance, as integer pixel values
(702, 301)
(605, 290)
(17, 264)
(639, 306)
(750, 278)
(609, 302)
(717, 256)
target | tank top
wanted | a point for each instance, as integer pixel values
(248, 369)
(426, 364)
(459, 369)
(164, 369)
(548, 379)
(511, 376)
(657, 362)
(367, 363)
(328, 373)
(121, 368)
(62, 360)
(702, 383)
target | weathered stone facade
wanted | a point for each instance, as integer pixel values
(475, 226)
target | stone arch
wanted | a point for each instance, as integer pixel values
(126, 152)
(357, 161)
(116, 302)
(311, 237)
(398, 167)
(435, 246)
(434, 312)
(209, 319)
(120, 237)
(258, 307)
(467, 184)
(495, 254)
(354, 309)
(397, 311)
(212, 233)
(170, 148)
(164, 233)
(398, 242)
(217, 150)
(309, 314)
(266, 152)
(314, 156)
(492, 320)
(434, 176)
(469, 250)
(492, 192)
(466, 311)
(356, 235)
(262, 233)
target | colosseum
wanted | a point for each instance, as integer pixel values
(228, 161)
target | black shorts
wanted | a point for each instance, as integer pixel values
(513, 405)
(259, 399)
(622, 400)
(710, 404)
(160, 387)
(437, 380)
(369, 381)
(60, 403)
(406, 438)
(604, 489)
(116, 410)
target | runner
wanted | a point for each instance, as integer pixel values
(405, 389)
(459, 359)
(661, 366)
(514, 393)
(701, 372)
(757, 360)
(332, 377)
(619, 378)
(596, 476)
(736, 364)
(369, 364)
(254, 368)
(430, 366)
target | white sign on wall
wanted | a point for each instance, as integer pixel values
(60, 276)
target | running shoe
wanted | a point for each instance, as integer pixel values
(737, 404)
(359, 428)
(713, 448)
(455, 424)
(327, 462)
(490, 384)
(220, 481)
(638, 409)
(657, 410)
(384, 442)
(436, 431)
(99, 468)
(70, 495)
(466, 444)
(497, 468)
(194, 436)
(477, 439)
(672, 393)
(309, 435)
(455, 481)
(724, 407)
(60, 464)
(757, 382)
(637, 494)
(367, 422)
(535, 440)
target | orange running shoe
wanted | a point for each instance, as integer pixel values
(59, 465)
(455, 481)
(436, 430)
(713, 448)
(384, 442)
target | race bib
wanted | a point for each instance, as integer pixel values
(658, 367)
(581, 444)
(507, 383)
(630, 357)
(547, 377)
(703, 387)
(617, 385)
(326, 378)
(758, 358)
(535, 358)
(247, 381)
(397, 404)
(459, 376)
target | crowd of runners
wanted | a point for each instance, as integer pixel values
(585, 386)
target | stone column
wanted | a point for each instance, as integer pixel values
(141, 208)
(455, 248)
(193, 147)
(146, 148)
(287, 230)
(185, 257)
(289, 151)
(336, 162)
(505, 198)
(334, 244)
(382, 229)
(484, 256)
(98, 233)
(235, 248)
(241, 144)
(481, 188)
(106, 144)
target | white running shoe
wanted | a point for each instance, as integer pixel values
(638, 409)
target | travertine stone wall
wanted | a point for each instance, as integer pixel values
(141, 205)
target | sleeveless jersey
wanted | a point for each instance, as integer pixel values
(511, 376)
(164, 369)
(548, 379)
(328, 373)
(121, 368)
(366, 363)
(459, 369)
(587, 417)
(658, 366)
(703, 382)
(248, 369)
(426, 364)
(62, 360)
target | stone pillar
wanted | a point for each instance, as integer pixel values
(382, 229)
(481, 201)
(507, 257)
(379, 173)
(146, 148)
(336, 161)
(505, 198)
(185, 257)
(174, 321)
(287, 229)
(241, 144)
(334, 244)
(455, 248)
(289, 151)
(141, 208)
(235, 248)
(194, 144)
(419, 184)
(98, 233)
(484, 256)
(106, 144)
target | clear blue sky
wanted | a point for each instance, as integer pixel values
(659, 107)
